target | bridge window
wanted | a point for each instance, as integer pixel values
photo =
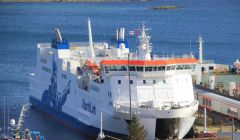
(168, 67)
(119, 81)
(123, 68)
(187, 67)
(144, 82)
(132, 68)
(162, 68)
(131, 81)
(173, 67)
(154, 81)
(113, 68)
(180, 67)
(106, 69)
(193, 67)
(139, 68)
(148, 68)
(155, 68)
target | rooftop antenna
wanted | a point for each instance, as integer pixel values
(58, 35)
(91, 51)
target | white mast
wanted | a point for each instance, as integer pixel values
(58, 35)
(144, 46)
(101, 134)
(200, 41)
(91, 51)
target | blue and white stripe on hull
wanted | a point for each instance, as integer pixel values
(70, 121)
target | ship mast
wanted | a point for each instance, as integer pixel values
(90, 50)
(200, 41)
(144, 46)
(58, 35)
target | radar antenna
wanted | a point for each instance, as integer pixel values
(144, 46)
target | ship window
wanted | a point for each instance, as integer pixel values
(119, 81)
(180, 67)
(173, 67)
(154, 81)
(194, 66)
(132, 68)
(95, 88)
(211, 68)
(148, 68)
(139, 68)
(46, 69)
(109, 94)
(155, 68)
(190, 66)
(123, 68)
(187, 67)
(144, 81)
(164, 81)
(110, 103)
(113, 68)
(131, 81)
(162, 68)
(168, 67)
(64, 76)
(106, 69)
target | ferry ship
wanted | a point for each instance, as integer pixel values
(77, 81)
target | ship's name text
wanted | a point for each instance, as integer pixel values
(88, 106)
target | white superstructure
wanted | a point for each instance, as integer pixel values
(76, 81)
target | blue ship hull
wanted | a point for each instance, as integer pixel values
(71, 121)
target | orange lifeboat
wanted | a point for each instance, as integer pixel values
(90, 65)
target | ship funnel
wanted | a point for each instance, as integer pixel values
(121, 34)
(91, 51)
(200, 41)
(58, 35)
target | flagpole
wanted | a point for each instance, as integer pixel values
(129, 88)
